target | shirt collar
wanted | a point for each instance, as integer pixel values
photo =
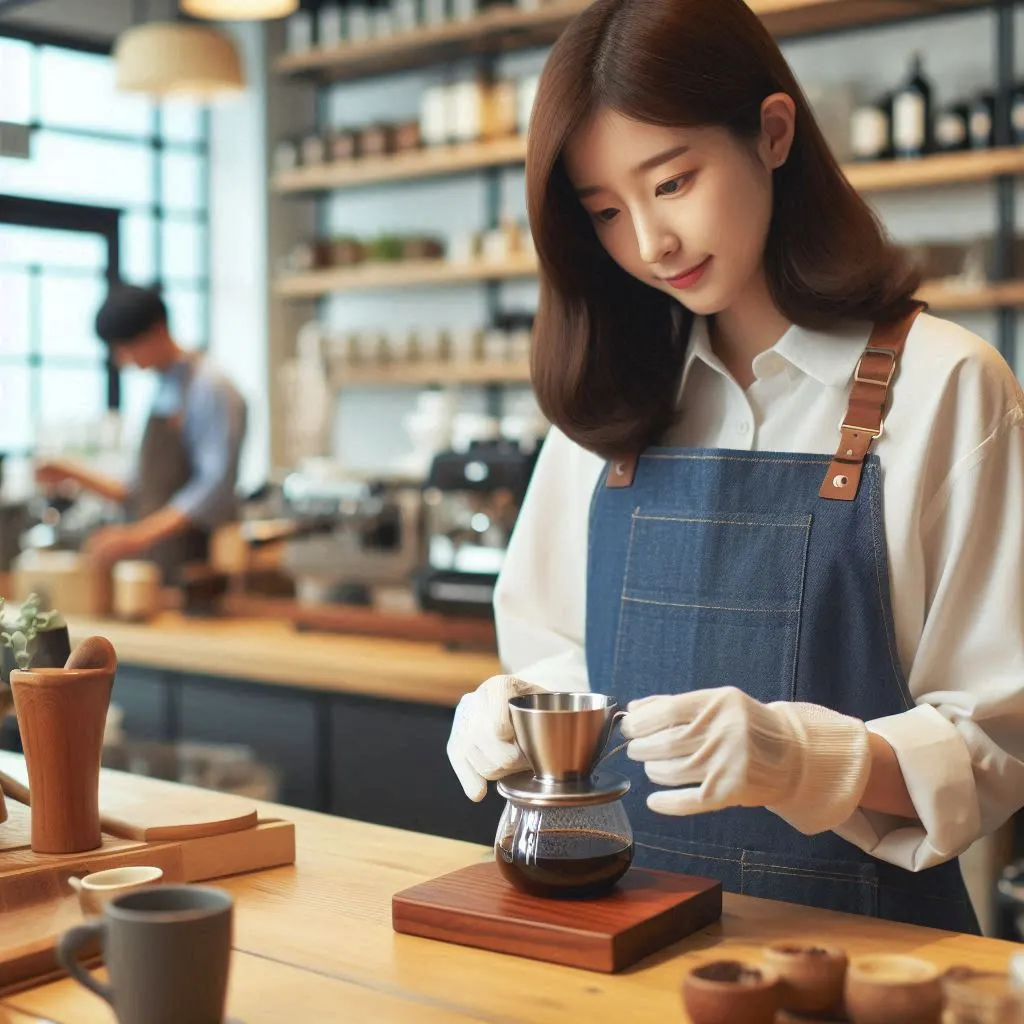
(829, 357)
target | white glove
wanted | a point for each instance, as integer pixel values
(482, 745)
(806, 763)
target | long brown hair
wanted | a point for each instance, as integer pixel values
(608, 350)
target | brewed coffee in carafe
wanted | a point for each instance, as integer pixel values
(564, 832)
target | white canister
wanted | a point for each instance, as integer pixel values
(435, 12)
(299, 32)
(526, 93)
(136, 590)
(330, 25)
(434, 119)
(404, 15)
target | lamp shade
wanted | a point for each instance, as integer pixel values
(239, 10)
(177, 59)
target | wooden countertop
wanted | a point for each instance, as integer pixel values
(268, 651)
(314, 943)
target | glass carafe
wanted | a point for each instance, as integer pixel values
(564, 831)
(566, 851)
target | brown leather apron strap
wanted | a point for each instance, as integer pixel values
(621, 471)
(865, 413)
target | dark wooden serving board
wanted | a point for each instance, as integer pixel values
(475, 906)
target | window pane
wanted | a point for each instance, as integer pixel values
(186, 310)
(72, 396)
(77, 90)
(182, 121)
(15, 81)
(14, 313)
(138, 248)
(68, 307)
(183, 181)
(25, 245)
(83, 170)
(184, 249)
(16, 428)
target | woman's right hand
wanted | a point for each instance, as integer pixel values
(482, 746)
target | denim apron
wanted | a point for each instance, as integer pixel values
(726, 568)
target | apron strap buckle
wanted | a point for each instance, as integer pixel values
(864, 422)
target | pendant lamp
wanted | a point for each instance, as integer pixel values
(239, 10)
(177, 59)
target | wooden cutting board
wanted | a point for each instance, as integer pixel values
(475, 906)
(157, 812)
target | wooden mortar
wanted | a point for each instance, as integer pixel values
(62, 713)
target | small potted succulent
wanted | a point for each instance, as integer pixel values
(30, 638)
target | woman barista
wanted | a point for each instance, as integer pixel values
(184, 483)
(817, 622)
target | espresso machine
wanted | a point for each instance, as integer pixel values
(341, 539)
(471, 500)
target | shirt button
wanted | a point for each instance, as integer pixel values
(744, 428)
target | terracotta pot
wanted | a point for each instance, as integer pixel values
(811, 975)
(62, 713)
(728, 991)
(893, 989)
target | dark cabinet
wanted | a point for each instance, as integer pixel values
(389, 766)
(143, 695)
(279, 725)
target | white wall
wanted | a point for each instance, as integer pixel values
(239, 337)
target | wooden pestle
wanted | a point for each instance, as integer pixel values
(62, 714)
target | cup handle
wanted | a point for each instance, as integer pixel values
(67, 949)
(616, 719)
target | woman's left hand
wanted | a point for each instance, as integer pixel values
(805, 762)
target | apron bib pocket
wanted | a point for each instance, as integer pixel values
(700, 588)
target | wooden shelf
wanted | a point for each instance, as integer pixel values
(436, 161)
(411, 373)
(943, 298)
(381, 276)
(441, 161)
(940, 169)
(786, 18)
(501, 29)
(496, 30)
(374, 277)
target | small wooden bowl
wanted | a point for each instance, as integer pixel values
(728, 991)
(885, 989)
(811, 975)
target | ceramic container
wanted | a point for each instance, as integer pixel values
(95, 891)
(729, 991)
(811, 975)
(890, 989)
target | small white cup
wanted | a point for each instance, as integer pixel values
(95, 891)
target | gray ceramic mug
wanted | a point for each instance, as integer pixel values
(167, 951)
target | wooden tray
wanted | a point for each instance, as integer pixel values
(37, 905)
(475, 906)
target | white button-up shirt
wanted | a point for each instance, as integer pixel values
(952, 457)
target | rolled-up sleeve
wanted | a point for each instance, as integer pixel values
(961, 749)
(214, 430)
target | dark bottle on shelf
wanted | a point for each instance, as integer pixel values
(952, 129)
(912, 113)
(982, 121)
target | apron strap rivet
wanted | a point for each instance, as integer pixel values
(840, 481)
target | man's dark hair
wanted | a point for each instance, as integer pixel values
(128, 312)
